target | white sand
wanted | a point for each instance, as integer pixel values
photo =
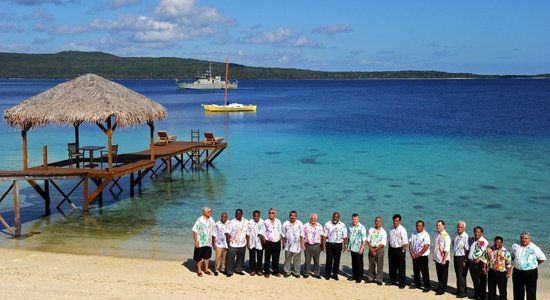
(43, 275)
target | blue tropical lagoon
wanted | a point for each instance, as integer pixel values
(473, 150)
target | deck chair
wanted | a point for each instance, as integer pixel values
(104, 154)
(74, 153)
(210, 139)
(164, 138)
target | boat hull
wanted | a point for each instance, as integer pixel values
(207, 86)
(229, 108)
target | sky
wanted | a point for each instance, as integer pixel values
(474, 36)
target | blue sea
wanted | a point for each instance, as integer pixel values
(473, 150)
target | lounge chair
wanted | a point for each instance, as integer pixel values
(105, 155)
(74, 153)
(210, 139)
(164, 138)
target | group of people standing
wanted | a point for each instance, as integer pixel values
(487, 264)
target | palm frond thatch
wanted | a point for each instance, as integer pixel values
(87, 98)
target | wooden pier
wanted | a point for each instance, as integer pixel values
(137, 165)
(95, 100)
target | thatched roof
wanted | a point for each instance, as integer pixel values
(87, 98)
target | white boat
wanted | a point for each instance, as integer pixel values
(226, 107)
(207, 82)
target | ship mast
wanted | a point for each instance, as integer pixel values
(226, 79)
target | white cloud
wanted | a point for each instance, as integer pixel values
(145, 29)
(332, 29)
(303, 42)
(277, 36)
(186, 12)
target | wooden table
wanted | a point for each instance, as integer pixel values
(91, 150)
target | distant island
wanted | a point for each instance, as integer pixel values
(69, 64)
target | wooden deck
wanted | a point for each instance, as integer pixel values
(137, 165)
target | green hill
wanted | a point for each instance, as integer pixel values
(69, 64)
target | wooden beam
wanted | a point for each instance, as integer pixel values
(16, 209)
(101, 127)
(206, 160)
(45, 196)
(76, 134)
(25, 154)
(8, 227)
(152, 139)
(6, 193)
(45, 157)
(109, 134)
(85, 193)
(47, 201)
(91, 197)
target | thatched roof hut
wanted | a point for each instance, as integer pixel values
(88, 98)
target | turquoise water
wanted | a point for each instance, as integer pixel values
(473, 150)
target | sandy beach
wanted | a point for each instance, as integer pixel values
(43, 275)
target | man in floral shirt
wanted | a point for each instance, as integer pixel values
(526, 257)
(498, 266)
(356, 245)
(202, 236)
(476, 256)
(292, 242)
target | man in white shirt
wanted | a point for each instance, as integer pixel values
(292, 244)
(419, 249)
(202, 236)
(313, 237)
(526, 258)
(376, 241)
(221, 244)
(271, 237)
(356, 245)
(254, 244)
(396, 253)
(476, 258)
(236, 239)
(442, 249)
(335, 242)
(460, 249)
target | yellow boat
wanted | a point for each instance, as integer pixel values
(229, 107)
(226, 107)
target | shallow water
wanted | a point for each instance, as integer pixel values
(475, 150)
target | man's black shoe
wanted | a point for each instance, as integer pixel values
(379, 283)
(402, 286)
(351, 279)
(440, 293)
(426, 290)
(335, 277)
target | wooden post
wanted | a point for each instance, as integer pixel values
(132, 184)
(152, 139)
(16, 211)
(25, 156)
(47, 200)
(109, 143)
(76, 135)
(85, 193)
(45, 156)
